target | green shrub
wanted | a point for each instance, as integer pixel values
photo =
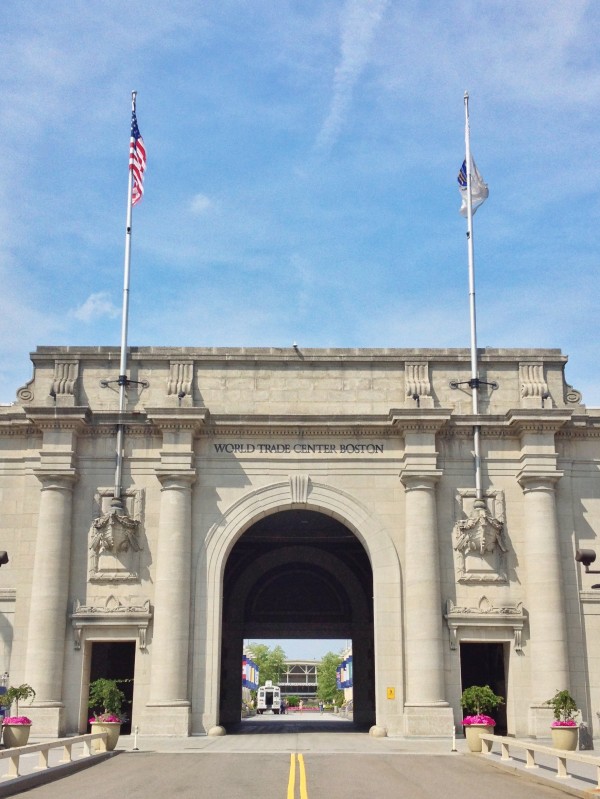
(480, 699)
(563, 705)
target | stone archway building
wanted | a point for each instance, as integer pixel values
(374, 445)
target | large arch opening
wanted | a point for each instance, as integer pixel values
(297, 574)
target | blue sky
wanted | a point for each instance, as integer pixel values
(310, 649)
(301, 183)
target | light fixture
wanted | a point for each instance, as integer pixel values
(587, 556)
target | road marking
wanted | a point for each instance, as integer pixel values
(303, 790)
(292, 777)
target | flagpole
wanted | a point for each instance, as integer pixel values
(474, 382)
(122, 380)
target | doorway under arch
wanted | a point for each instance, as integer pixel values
(297, 574)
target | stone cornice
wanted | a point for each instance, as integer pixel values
(178, 418)
(63, 418)
(291, 431)
(298, 425)
(17, 427)
(461, 620)
(115, 612)
(300, 354)
(538, 420)
(422, 420)
(443, 422)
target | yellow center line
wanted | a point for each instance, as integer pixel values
(292, 777)
(303, 791)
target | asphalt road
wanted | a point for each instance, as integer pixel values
(294, 775)
(311, 769)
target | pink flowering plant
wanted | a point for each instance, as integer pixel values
(480, 718)
(106, 700)
(478, 700)
(564, 708)
(14, 695)
(105, 717)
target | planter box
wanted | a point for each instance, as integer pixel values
(472, 735)
(15, 735)
(565, 738)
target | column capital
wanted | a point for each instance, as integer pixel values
(414, 480)
(171, 479)
(538, 480)
(62, 479)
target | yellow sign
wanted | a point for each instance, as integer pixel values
(391, 693)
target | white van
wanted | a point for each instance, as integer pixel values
(268, 698)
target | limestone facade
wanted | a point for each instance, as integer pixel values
(378, 440)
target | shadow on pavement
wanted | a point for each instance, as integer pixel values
(277, 726)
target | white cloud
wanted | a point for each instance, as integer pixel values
(97, 306)
(200, 204)
(359, 24)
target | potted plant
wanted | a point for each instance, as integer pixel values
(564, 727)
(107, 695)
(16, 728)
(478, 701)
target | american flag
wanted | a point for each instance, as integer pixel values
(137, 160)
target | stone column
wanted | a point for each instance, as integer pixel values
(426, 711)
(545, 597)
(168, 711)
(423, 602)
(49, 602)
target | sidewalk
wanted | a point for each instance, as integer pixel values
(310, 739)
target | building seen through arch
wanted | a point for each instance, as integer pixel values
(288, 493)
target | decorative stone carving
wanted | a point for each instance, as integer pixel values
(111, 612)
(299, 488)
(572, 396)
(482, 618)
(479, 541)
(64, 382)
(417, 385)
(115, 540)
(534, 389)
(25, 393)
(180, 380)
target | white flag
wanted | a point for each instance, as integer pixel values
(479, 189)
